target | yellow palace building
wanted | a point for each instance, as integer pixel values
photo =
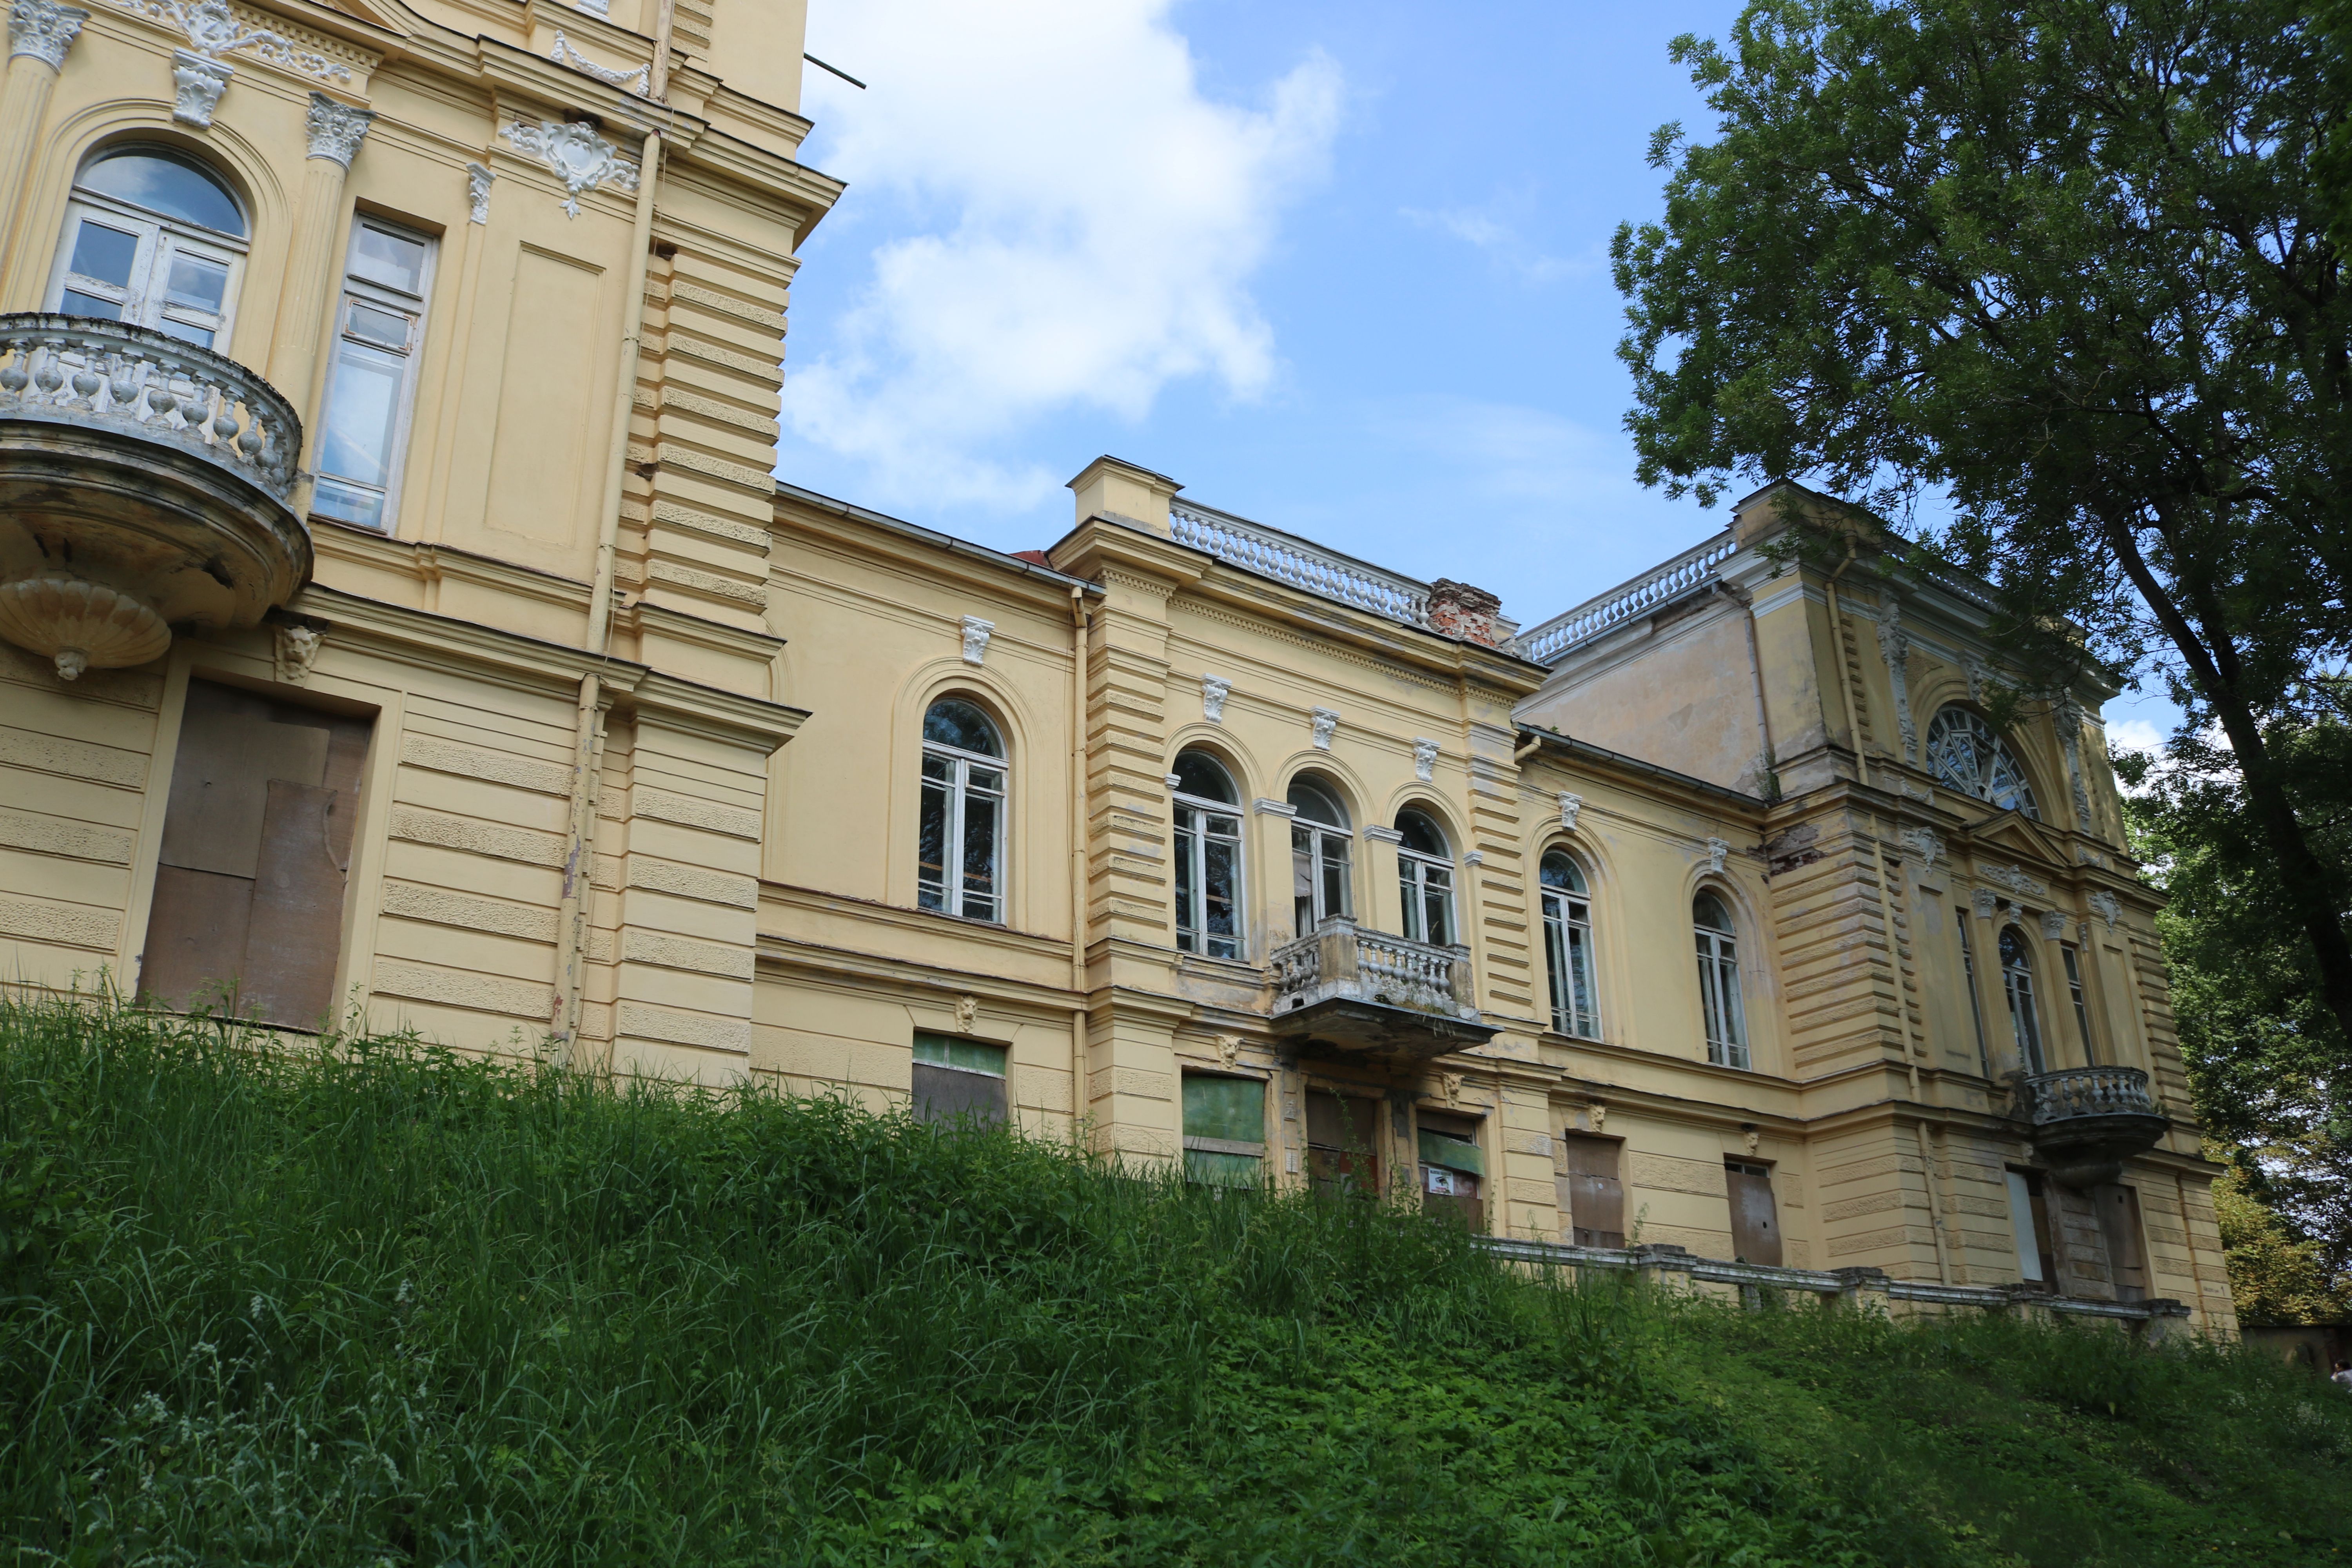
(402, 621)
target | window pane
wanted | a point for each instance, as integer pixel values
(1302, 880)
(388, 259)
(196, 283)
(1583, 1013)
(980, 857)
(954, 1051)
(1220, 896)
(200, 336)
(385, 329)
(963, 726)
(930, 848)
(347, 503)
(103, 254)
(166, 183)
(75, 303)
(1408, 900)
(1420, 834)
(1188, 913)
(1221, 1170)
(987, 781)
(1232, 1108)
(1335, 873)
(363, 404)
(1199, 774)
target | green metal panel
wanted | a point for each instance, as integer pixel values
(949, 1051)
(1437, 1149)
(1228, 1108)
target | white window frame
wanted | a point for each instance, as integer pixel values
(1964, 750)
(949, 896)
(2024, 1018)
(1324, 849)
(1195, 818)
(158, 239)
(358, 290)
(1423, 878)
(1568, 954)
(1721, 1013)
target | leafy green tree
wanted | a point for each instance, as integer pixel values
(2063, 267)
(2266, 1059)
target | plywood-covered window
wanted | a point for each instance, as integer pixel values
(1343, 1143)
(1592, 1191)
(1225, 1130)
(248, 908)
(1453, 1168)
(959, 1079)
(1755, 1219)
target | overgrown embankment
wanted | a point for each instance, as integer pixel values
(388, 1305)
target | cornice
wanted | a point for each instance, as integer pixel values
(777, 954)
(923, 921)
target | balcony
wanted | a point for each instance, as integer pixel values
(1370, 995)
(145, 484)
(2088, 1120)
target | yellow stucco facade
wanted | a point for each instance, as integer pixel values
(405, 623)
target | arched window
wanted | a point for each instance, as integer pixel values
(1968, 754)
(1567, 948)
(1425, 878)
(1319, 840)
(1208, 858)
(153, 237)
(1718, 982)
(2017, 980)
(961, 857)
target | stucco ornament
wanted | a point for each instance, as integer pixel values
(1923, 845)
(1424, 758)
(576, 154)
(214, 29)
(1569, 805)
(297, 650)
(563, 54)
(2108, 908)
(336, 130)
(1325, 722)
(1716, 851)
(2014, 879)
(197, 83)
(2054, 925)
(1895, 647)
(1987, 902)
(1214, 689)
(1453, 1083)
(477, 192)
(966, 1013)
(77, 624)
(2069, 718)
(44, 29)
(1229, 1049)
(1753, 1139)
(976, 633)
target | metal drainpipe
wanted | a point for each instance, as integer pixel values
(1845, 687)
(588, 736)
(1078, 1019)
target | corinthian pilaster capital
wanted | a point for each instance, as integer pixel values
(337, 128)
(44, 29)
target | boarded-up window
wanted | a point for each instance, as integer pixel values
(959, 1079)
(1343, 1143)
(248, 909)
(1755, 1223)
(1225, 1130)
(2029, 1214)
(2118, 1208)
(1592, 1194)
(1452, 1169)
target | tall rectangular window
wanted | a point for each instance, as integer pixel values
(247, 916)
(2028, 1218)
(959, 1078)
(1225, 1130)
(1969, 979)
(1591, 1194)
(2082, 1009)
(372, 375)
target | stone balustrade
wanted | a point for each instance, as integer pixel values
(2053, 1097)
(1340, 960)
(1694, 568)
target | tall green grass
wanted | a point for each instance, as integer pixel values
(381, 1304)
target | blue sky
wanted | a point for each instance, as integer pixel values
(1340, 267)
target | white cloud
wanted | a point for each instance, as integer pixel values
(2135, 735)
(1074, 225)
(1487, 229)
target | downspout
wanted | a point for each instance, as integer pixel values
(588, 732)
(1845, 687)
(1078, 1018)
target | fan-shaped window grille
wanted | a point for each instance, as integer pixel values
(1968, 755)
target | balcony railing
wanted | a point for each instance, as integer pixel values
(86, 371)
(2057, 1096)
(145, 484)
(1547, 643)
(1341, 961)
(1286, 558)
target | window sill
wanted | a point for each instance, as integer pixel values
(1237, 968)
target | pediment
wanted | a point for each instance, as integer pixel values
(2010, 836)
